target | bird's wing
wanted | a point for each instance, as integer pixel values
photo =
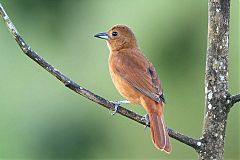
(139, 73)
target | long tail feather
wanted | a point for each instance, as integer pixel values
(159, 132)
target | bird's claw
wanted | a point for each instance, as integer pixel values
(116, 105)
(146, 118)
(115, 109)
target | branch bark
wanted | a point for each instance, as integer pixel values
(216, 80)
(196, 144)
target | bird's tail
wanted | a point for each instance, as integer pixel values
(158, 129)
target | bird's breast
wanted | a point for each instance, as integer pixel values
(123, 87)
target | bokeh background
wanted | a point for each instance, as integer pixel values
(40, 118)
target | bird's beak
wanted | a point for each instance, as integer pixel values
(102, 35)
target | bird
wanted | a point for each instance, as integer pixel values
(136, 79)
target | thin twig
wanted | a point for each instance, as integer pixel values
(196, 144)
(235, 98)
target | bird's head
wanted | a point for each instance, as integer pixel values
(119, 37)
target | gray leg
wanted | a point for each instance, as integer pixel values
(120, 102)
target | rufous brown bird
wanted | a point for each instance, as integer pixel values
(136, 79)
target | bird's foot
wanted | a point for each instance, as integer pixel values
(117, 103)
(146, 117)
(115, 109)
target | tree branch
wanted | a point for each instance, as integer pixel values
(196, 144)
(235, 99)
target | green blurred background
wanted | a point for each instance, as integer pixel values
(40, 118)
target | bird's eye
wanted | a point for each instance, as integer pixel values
(114, 33)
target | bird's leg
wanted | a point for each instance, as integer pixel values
(120, 102)
(146, 117)
(117, 103)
